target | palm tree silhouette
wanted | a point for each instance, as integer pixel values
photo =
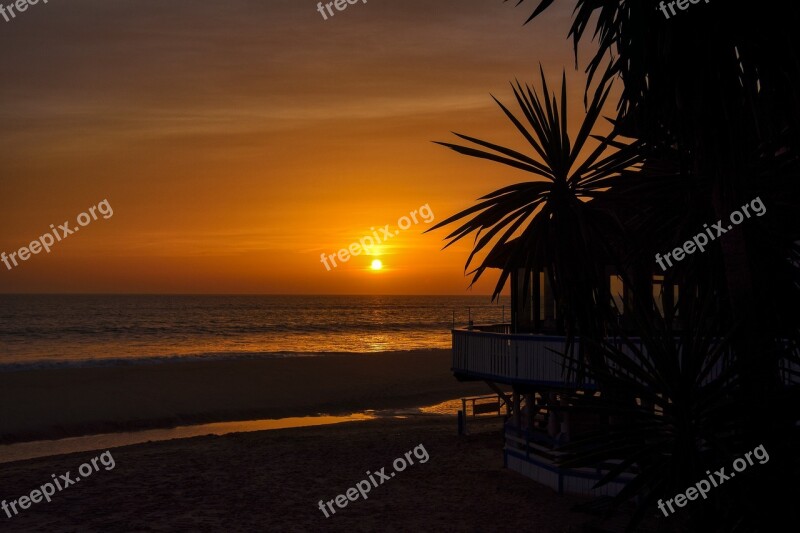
(711, 100)
(550, 224)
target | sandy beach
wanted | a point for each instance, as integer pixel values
(268, 480)
(61, 402)
(273, 481)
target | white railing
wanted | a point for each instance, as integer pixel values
(517, 357)
(537, 358)
(482, 352)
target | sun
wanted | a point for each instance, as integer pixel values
(377, 264)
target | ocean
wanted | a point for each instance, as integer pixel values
(45, 330)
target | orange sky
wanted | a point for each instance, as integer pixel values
(237, 141)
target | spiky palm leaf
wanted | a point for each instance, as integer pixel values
(548, 223)
(718, 89)
(684, 420)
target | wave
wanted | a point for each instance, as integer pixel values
(51, 364)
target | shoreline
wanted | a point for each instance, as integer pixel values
(64, 402)
(56, 364)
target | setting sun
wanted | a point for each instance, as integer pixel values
(377, 264)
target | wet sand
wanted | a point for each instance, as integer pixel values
(61, 402)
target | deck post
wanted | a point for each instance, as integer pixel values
(517, 414)
(530, 402)
(552, 418)
(565, 429)
(464, 416)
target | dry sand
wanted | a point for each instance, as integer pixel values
(272, 481)
(73, 401)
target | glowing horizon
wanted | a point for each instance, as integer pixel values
(238, 143)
